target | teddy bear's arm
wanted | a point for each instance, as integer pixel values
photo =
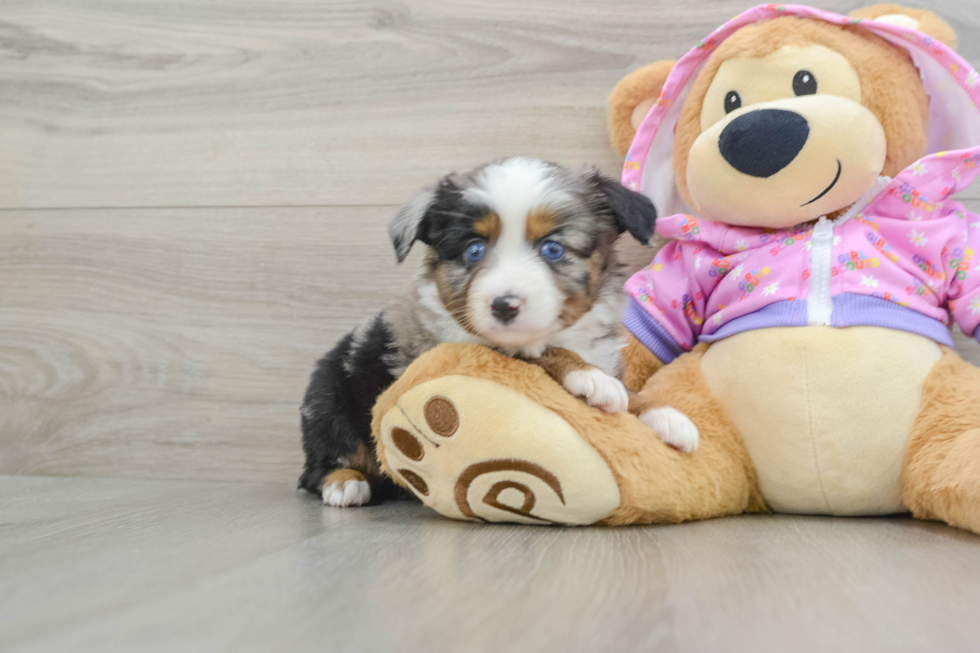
(669, 298)
(640, 364)
(632, 99)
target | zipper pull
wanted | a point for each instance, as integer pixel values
(824, 229)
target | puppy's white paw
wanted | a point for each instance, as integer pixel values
(673, 427)
(599, 389)
(344, 494)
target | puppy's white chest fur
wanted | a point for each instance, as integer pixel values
(591, 337)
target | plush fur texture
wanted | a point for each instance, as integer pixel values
(641, 364)
(941, 475)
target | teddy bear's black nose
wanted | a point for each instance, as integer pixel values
(761, 143)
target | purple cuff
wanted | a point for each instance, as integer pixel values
(648, 331)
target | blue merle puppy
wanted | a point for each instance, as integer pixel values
(520, 257)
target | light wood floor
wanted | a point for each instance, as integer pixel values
(189, 566)
(193, 207)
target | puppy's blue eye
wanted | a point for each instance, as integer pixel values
(552, 250)
(475, 251)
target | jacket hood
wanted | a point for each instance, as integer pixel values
(952, 84)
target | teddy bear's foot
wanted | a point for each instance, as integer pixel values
(952, 491)
(475, 449)
(941, 474)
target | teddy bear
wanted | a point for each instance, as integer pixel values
(804, 164)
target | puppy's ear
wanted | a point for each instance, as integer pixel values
(632, 99)
(920, 19)
(409, 224)
(630, 210)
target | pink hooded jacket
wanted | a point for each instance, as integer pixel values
(905, 256)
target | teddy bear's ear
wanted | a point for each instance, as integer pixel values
(920, 19)
(632, 98)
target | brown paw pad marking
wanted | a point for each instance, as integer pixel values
(407, 443)
(492, 497)
(441, 416)
(415, 481)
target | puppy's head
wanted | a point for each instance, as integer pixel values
(519, 249)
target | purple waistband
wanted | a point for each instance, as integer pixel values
(849, 310)
(779, 314)
(864, 310)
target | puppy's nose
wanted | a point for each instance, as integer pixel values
(761, 143)
(505, 308)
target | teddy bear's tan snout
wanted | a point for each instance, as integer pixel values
(781, 163)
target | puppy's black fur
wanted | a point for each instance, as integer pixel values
(336, 415)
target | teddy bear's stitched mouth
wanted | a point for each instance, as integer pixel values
(827, 189)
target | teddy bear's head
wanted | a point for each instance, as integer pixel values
(789, 118)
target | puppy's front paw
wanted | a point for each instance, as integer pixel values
(345, 488)
(673, 427)
(598, 388)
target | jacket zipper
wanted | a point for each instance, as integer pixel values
(820, 305)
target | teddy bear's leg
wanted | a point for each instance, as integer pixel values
(941, 472)
(721, 468)
(480, 436)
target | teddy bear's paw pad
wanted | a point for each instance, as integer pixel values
(598, 389)
(673, 427)
(345, 488)
(478, 450)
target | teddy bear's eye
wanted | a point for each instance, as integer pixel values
(804, 83)
(732, 101)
